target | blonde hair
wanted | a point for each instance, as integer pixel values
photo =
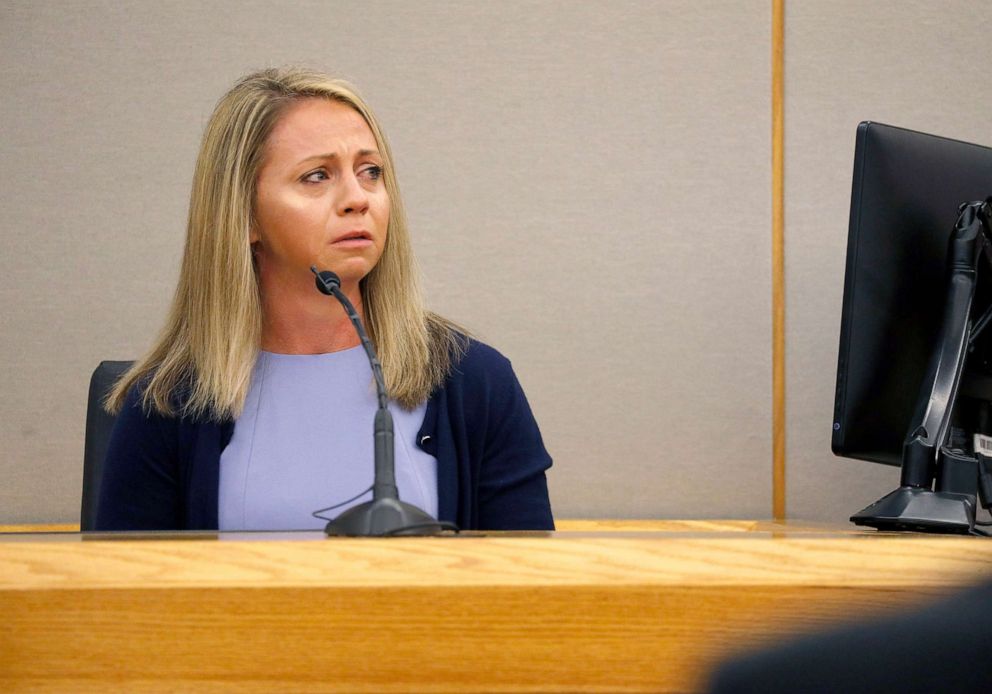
(201, 363)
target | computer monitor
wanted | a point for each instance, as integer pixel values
(907, 190)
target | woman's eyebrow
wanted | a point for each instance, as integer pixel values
(334, 155)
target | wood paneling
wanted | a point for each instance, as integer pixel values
(778, 260)
(637, 611)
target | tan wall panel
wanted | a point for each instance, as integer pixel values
(918, 65)
(587, 185)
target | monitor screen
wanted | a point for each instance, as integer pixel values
(905, 197)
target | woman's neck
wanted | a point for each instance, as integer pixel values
(303, 321)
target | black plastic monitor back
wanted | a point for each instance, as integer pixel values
(904, 201)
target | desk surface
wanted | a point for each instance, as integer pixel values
(606, 606)
(568, 525)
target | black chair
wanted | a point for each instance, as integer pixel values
(99, 424)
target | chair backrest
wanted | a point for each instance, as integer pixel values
(99, 424)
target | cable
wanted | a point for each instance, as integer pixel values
(316, 514)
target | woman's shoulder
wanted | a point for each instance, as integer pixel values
(481, 373)
(478, 360)
(138, 404)
(137, 413)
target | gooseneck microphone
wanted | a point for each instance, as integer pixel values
(385, 514)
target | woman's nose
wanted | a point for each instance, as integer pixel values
(353, 198)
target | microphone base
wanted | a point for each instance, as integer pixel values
(382, 518)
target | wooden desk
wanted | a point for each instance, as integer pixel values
(640, 607)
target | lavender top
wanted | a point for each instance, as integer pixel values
(304, 442)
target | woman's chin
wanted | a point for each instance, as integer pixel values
(350, 270)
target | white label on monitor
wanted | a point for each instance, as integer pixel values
(983, 444)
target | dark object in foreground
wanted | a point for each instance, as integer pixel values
(942, 648)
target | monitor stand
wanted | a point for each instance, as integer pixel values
(920, 510)
(915, 505)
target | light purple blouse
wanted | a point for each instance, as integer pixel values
(304, 442)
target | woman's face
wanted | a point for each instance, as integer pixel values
(320, 198)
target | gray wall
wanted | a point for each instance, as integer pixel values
(918, 65)
(606, 161)
(587, 184)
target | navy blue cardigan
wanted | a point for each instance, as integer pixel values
(162, 473)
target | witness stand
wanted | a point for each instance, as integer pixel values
(599, 606)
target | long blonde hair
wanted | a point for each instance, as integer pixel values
(201, 363)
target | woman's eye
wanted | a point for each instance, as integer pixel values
(372, 172)
(315, 176)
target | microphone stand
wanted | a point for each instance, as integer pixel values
(385, 514)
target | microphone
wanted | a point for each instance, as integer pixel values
(385, 514)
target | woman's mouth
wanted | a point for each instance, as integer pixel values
(353, 239)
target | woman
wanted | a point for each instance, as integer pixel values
(254, 408)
